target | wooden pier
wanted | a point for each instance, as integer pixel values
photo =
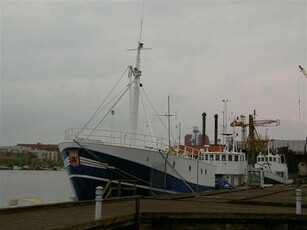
(272, 208)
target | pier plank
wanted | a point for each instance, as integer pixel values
(271, 201)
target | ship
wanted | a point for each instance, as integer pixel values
(272, 168)
(230, 161)
(136, 163)
(269, 168)
(231, 165)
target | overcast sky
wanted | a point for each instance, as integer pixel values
(59, 59)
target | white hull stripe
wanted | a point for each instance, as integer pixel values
(91, 163)
(86, 162)
(66, 162)
(123, 183)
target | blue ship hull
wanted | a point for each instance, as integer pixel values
(89, 169)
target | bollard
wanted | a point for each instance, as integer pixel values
(98, 204)
(137, 208)
(298, 198)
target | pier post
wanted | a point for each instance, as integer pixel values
(298, 198)
(98, 204)
(137, 208)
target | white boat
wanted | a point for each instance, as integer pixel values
(129, 160)
(274, 167)
(231, 164)
(266, 168)
(269, 169)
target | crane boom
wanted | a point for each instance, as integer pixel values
(267, 123)
(261, 123)
(302, 70)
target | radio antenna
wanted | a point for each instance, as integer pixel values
(142, 21)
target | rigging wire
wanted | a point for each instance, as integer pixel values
(127, 88)
(166, 157)
(157, 114)
(147, 118)
(173, 168)
(305, 89)
(116, 96)
(98, 110)
(299, 99)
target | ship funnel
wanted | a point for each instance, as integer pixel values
(215, 128)
(204, 128)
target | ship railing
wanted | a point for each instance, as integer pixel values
(118, 138)
(127, 139)
(116, 187)
(189, 152)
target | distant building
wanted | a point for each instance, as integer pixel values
(44, 151)
(13, 152)
(188, 139)
(196, 138)
(6, 155)
(40, 146)
(294, 146)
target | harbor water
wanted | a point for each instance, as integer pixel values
(48, 186)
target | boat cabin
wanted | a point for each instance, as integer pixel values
(229, 164)
(274, 163)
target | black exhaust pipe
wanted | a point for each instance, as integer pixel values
(215, 128)
(204, 128)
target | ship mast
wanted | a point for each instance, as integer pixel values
(134, 95)
(135, 92)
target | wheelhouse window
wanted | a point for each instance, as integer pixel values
(223, 157)
(229, 157)
(217, 157)
(236, 158)
(270, 158)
